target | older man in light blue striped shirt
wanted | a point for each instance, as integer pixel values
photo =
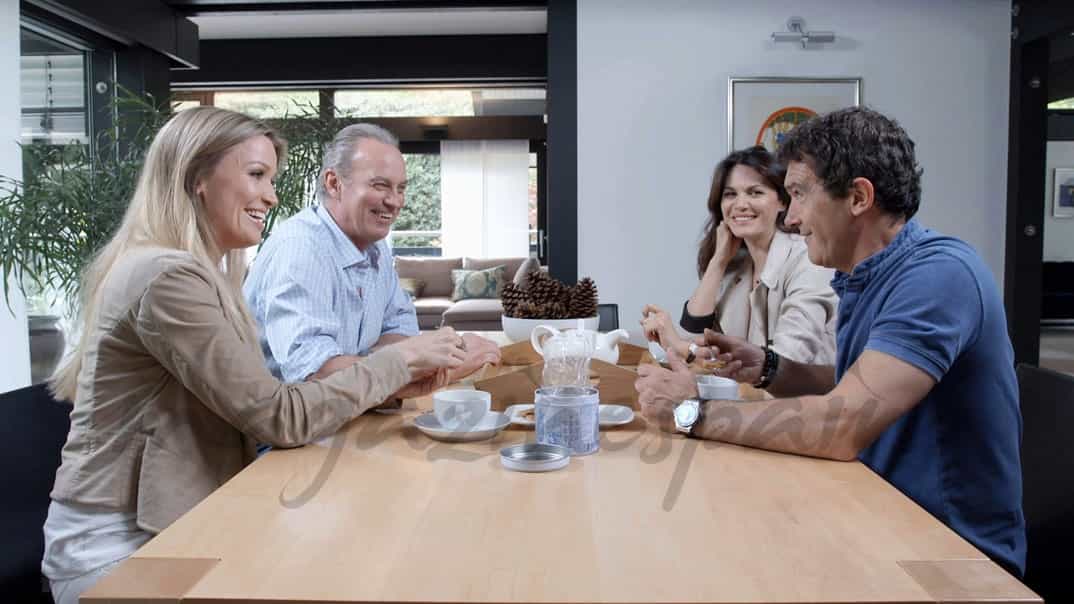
(315, 296)
(323, 289)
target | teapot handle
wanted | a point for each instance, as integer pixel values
(535, 337)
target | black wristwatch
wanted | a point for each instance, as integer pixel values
(768, 369)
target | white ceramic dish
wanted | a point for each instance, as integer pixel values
(519, 330)
(713, 387)
(610, 415)
(615, 415)
(489, 426)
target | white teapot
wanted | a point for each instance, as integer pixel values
(580, 342)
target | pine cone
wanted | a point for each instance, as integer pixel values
(511, 297)
(537, 276)
(583, 300)
(527, 310)
(555, 310)
(543, 292)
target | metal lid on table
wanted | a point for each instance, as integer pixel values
(534, 457)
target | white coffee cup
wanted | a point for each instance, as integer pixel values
(461, 409)
(711, 387)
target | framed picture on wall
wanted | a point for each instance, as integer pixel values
(1063, 193)
(760, 111)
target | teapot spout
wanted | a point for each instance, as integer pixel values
(612, 338)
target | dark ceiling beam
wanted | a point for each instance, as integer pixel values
(150, 23)
(1035, 19)
(203, 7)
(389, 60)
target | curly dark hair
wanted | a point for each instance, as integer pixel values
(859, 143)
(772, 173)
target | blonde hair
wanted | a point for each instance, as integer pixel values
(166, 212)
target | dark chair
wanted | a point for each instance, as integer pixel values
(1048, 480)
(609, 317)
(1057, 291)
(33, 429)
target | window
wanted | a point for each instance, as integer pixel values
(268, 104)
(533, 204)
(53, 90)
(439, 103)
(417, 230)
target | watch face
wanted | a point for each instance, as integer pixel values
(686, 414)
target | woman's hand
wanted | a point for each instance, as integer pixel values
(727, 246)
(656, 322)
(428, 352)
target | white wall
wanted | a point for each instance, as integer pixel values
(652, 118)
(1058, 232)
(14, 341)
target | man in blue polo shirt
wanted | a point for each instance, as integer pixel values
(924, 390)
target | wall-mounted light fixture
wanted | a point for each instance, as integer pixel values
(796, 33)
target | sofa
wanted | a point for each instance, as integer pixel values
(433, 303)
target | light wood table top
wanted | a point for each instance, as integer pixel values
(381, 513)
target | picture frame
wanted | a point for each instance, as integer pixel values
(1063, 193)
(760, 110)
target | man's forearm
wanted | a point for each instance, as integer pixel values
(800, 379)
(333, 365)
(817, 426)
(386, 340)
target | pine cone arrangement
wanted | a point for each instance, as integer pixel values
(583, 299)
(548, 298)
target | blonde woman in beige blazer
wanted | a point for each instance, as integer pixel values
(169, 386)
(756, 278)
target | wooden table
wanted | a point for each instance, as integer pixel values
(381, 513)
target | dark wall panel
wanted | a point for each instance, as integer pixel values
(563, 140)
(324, 61)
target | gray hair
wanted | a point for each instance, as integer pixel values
(340, 151)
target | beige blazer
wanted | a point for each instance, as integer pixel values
(792, 309)
(171, 400)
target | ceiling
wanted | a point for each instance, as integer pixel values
(252, 19)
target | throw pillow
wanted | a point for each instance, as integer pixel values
(412, 287)
(522, 276)
(486, 283)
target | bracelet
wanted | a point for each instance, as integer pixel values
(768, 369)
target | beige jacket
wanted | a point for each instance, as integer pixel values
(792, 309)
(171, 400)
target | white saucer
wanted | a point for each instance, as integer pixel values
(615, 415)
(610, 415)
(489, 426)
(514, 415)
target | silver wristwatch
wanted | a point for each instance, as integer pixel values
(687, 414)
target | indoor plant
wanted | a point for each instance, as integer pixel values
(73, 197)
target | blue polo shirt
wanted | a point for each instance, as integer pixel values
(929, 300)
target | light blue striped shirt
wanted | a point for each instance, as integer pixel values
(315, 295)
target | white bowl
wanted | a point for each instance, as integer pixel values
(518, 330)
(714, 387)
